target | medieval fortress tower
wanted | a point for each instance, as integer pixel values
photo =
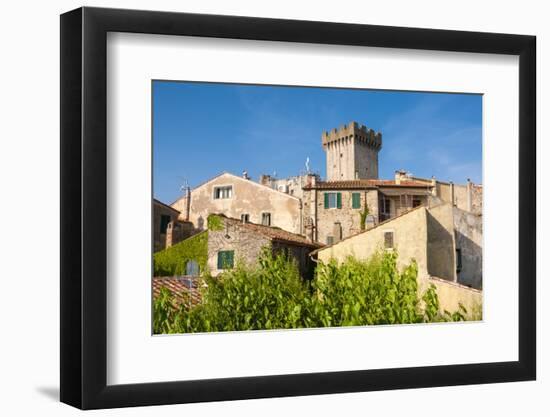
(351, 152)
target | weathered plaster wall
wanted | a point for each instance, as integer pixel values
(409, 236)
(469, 239)
(248, 197)
(441, 245)
(426, 235)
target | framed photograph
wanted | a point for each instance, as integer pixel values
(259, 208)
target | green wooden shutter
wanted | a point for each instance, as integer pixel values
(326, 200)
(338, 200)
(356, 200)
(226, 259)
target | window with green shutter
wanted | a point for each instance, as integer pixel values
(225, 259)
(333, 200)
(356, 200)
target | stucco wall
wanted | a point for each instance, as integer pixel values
(247, 197)
(409, 236)
(469, 239)
(441, 245)
(426, 235)
(451, 294)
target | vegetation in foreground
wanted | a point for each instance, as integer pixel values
(274, 296)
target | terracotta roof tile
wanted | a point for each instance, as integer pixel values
(274, 233)
(347, 184)
(180, 288)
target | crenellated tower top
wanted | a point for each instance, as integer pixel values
(351, 152)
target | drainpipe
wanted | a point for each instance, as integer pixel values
(188, 205)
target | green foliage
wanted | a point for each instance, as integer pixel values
(363, 217)
(173, 260)
(273, 296)
(214, 222)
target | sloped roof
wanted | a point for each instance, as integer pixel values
(361, 184)
(384, 223)
(178, 287)
(160, 203)
(273, 233)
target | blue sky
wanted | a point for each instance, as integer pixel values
(202, 129)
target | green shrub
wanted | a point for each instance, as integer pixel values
(274, 296)
(173, 260)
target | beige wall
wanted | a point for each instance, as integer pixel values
(441, 242)
(426, 235)
(247, 197)
(409, 236)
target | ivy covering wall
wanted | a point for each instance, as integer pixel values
(173, 260)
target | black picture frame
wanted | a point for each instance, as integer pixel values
(84, 207)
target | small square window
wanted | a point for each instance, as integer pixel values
(164, 221)
(330, 240)
(245, 218)
(266, 219)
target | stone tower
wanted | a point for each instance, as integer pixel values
(351, 152)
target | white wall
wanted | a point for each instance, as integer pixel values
(29, 170)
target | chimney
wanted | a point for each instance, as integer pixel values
(265, 180)
(400, 175)
(469, 195)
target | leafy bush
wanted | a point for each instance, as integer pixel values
(273, 296)
(173, 260)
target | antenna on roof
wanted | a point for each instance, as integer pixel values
(185, 186)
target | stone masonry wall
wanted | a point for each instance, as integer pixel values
(246, 246)
(347, 217)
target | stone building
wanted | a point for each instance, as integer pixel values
(168, 229)
(241, 198)
(335, 209)
(290, 185)
(232, 240)
(351, 152)
(445, 241)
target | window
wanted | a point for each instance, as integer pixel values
(416, 202)
(458, 260)
(385, 205)
(192, 268)
(226, 259)
(223, 192)
(355, 200)
(388, 240)
(333, 200)
(164, 220)
(266, 219)
(245, 218)
(330, 240)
